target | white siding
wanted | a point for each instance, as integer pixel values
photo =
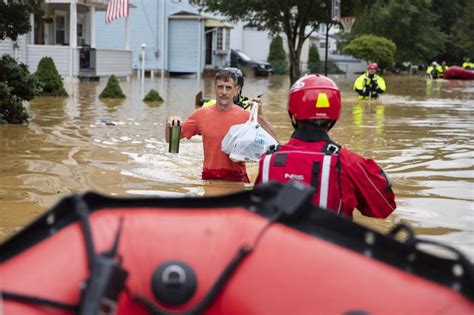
(183, 50)
(6, 47)
(256, 44)
(60, 55)
(113, 61)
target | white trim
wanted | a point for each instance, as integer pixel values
(93, 28)
(63, 14)
(324, 187)
(266, 168)
(32, 32)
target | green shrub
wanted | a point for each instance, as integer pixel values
(277, 56)
(153, 96)
(314, 64)
(372, 48)
(112, 90)
(16, 86)
(333, 68)
(49, 78)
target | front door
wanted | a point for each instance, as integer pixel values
(208, 48)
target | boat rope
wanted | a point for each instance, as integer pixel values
(7, 295)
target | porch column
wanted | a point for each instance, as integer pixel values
(32, 33)
(127, 34)
(92, 18)
(72, 36)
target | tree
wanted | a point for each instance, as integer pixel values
(372, 48)
(16, 82)
(50, 79)
(15, 17)
(454, 19)
(462, 34)
(314, 63)
(298, 19)
(16, 85)
(410, 24)
(277, 56)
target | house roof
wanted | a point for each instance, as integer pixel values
(210, 22)
(186, 15)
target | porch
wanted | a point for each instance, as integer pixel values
(65, 31)
(82, 61)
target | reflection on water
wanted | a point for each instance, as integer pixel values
(420, 132)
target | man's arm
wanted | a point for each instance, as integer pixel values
(263, 122)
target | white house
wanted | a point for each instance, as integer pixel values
(66, 32)
(174, 35)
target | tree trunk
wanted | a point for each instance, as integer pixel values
(294, 60)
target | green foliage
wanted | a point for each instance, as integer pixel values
(314, 64)
(410, 24)
(112, 90)
(50, 79)
(462, 34)
(16, 86)
(455, 21)
(372, 48)
(15, 17)
(277, 56)
(153, 96)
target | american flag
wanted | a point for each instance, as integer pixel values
(116, 9)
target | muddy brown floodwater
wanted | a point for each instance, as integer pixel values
(420, 132)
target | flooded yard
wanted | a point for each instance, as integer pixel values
(420, 132)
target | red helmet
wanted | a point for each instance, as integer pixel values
(372, 66)
(314, 97)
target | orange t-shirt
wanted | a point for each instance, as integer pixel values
(213, 125)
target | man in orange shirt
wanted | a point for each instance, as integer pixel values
(213, 123)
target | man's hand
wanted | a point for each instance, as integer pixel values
(260, 106)
(262, 120)
(174, 121)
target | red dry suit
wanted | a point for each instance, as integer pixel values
(344, 180)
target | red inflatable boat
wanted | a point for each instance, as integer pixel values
(456, 72)
(266, 251)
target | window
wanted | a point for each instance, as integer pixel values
(222, 39)
(227, 39)
(322, 45)
(80, 34)
(60, 33)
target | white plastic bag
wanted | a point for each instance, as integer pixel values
(248, 141)
(231, 136)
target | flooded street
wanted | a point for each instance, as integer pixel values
(421, 133)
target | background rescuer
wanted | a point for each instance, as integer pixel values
(343, 179)
(370, 84)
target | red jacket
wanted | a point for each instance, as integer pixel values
(363, 184)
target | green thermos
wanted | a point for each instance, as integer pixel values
(175, 136)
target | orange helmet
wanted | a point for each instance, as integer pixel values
(314, 97)
(372, 66)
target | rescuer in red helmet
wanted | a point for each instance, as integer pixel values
(343, 179)
(370, 85)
